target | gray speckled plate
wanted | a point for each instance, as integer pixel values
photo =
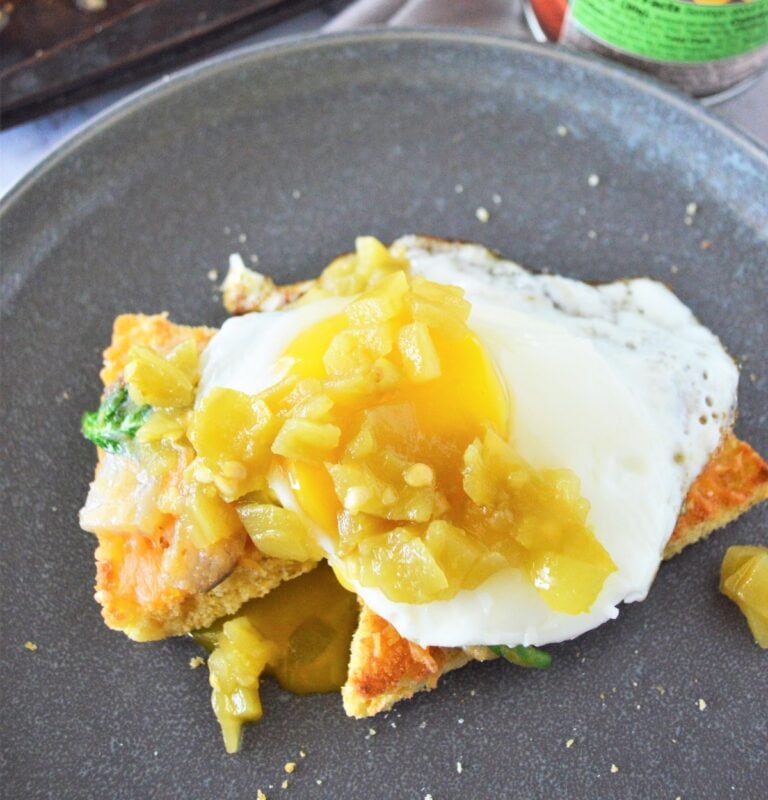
(288, 152)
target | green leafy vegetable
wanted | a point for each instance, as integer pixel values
(117, 420)
(523, 656)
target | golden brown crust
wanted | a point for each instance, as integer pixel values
(734, 479)
(385, 668)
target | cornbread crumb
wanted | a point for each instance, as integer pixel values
(701, 704)
(371, 731)
(319, 781)
(482, 214)
(290, 766)
(302, 754)
(284, 784)
(260, 795)
(427, 797)
(196, 662)
(614, 769)
(562, 130)
(593, 180)
(242, 238)
(674, 269)
(459, 768)
(213, 274)
(705, 244)
(569, 743)
(31, 646)
(661, 690)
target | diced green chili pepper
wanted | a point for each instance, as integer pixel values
(523, 656)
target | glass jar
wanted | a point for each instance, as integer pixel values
(703, 46)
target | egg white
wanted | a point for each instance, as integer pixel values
(618, 383)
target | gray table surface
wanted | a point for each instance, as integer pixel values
(24, 146)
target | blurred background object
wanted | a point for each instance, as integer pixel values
(65, 64)
(701, 46)
(55, 52)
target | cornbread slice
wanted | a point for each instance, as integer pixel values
(136, 597)
(384, 668)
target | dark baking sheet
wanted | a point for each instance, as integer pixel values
(54, 52)
(288, 152)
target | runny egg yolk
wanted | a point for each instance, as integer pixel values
(443, 415)
(397, 446)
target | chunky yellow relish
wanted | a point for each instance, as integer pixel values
(392, 427)
(744, 579)
(300, 633)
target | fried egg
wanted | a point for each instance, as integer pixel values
(617, 383)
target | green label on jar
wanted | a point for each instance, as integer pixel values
(675, 30)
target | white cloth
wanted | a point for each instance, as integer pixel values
(493, 16)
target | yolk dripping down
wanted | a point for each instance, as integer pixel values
(431, 422)
(300, 633)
